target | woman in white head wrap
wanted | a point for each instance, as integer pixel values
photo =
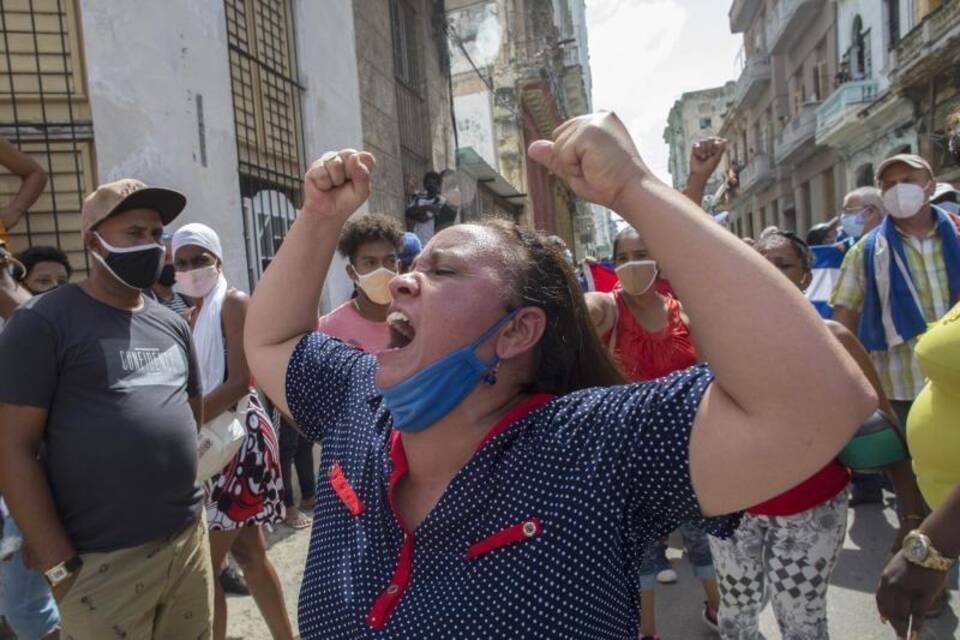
(247, 493)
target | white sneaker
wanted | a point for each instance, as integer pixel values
(667, 576)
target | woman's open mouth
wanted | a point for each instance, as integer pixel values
(401, 331)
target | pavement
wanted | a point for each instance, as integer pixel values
(851, 609)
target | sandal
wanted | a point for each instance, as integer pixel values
(296, 519)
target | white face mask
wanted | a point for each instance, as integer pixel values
(637, 276)
(198, 282)
(853, 223)
(376, 285)
(904, 200)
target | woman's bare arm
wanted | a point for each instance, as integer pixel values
(602, 309)
(756, 433)
(33, 180)
(334, 188)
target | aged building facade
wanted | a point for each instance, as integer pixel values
(695, 115)
(404, 70)
(827, 90)
(520, 68)
(788, 63)
(227, 101)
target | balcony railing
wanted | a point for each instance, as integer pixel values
(754, 78)
(924, 40)
(800, 130)
(757, 172)
(843, 103)
(787, 19)
(742, 13)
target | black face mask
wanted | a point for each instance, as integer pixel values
(37, 293)
(137, 267)
(168, 276)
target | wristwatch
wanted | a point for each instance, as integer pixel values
(918, 549)
(58, 573)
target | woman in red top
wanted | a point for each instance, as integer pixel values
(649, 336)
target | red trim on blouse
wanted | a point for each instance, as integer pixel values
(344, 491)
(387, 601)
(519, 412)
(526, 530)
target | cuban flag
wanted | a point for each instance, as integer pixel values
(599, 277)
(827, 259)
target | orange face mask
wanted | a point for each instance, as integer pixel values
(637, 276)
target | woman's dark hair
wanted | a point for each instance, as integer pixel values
(35, 255)
(818, 233)
(623, 233)
(570, 355)
(773, 237)
(371, 227)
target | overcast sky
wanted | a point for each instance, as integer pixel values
(645, 53)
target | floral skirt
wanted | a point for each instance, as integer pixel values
(249, 490)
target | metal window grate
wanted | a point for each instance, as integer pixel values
(45, 111)
(267, 102)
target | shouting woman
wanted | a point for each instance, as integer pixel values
(486, 476)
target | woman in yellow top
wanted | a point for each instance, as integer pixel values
(933, 428)
(916, 574)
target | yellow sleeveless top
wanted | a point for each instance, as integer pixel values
(933, 427)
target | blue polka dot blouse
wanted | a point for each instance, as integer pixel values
(540, 535)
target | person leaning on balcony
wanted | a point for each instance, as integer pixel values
(901, 276)
(842, 76)
(33, 180)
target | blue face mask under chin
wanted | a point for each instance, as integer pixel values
(431, 393)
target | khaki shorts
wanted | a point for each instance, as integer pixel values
(161, 590)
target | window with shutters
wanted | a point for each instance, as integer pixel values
(267, 106)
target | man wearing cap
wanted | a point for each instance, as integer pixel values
(900, 276)
(946, 197)
(107, 383)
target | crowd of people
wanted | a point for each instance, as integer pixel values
(504, 454)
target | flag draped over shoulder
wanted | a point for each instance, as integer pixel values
(599, 277)
(826, 271)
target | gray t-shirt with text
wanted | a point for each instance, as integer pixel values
(120, 444)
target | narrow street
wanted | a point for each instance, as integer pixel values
(853, 615)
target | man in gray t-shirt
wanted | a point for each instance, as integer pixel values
(100, 399)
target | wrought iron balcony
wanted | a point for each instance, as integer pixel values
(838, 113)
(796, 137)
(787, 20)
(742, 13)
(753, 80)
(921, 48)
(757, 174)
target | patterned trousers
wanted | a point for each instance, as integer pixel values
(784, 559)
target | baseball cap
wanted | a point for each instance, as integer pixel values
(126, 194)
(945, 191)
(909, 159)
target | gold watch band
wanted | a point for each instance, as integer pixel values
(934, 559)
(937, 562)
